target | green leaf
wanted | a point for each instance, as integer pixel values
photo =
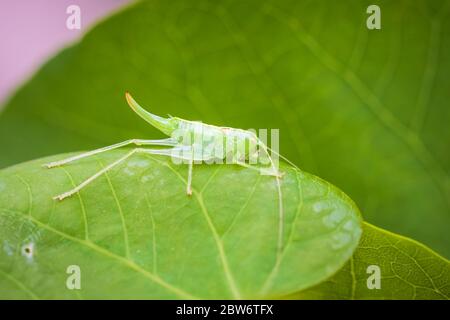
(364, 109)
(408, 270)
(135, 233)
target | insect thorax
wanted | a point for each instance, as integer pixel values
(216, 142)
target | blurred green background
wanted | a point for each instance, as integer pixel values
(366, 110)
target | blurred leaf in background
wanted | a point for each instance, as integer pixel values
(364, 109)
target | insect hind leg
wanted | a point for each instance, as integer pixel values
(138, 142)
(263, 171)
(280, 243)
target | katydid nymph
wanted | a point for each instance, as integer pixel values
(190, 142)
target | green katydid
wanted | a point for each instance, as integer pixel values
(213, 143)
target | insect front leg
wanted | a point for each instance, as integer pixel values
(112, 165)
(138, 142)
(95, 176)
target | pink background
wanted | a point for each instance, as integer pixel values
(31, 31)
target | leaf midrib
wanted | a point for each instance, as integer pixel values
(219, 244)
